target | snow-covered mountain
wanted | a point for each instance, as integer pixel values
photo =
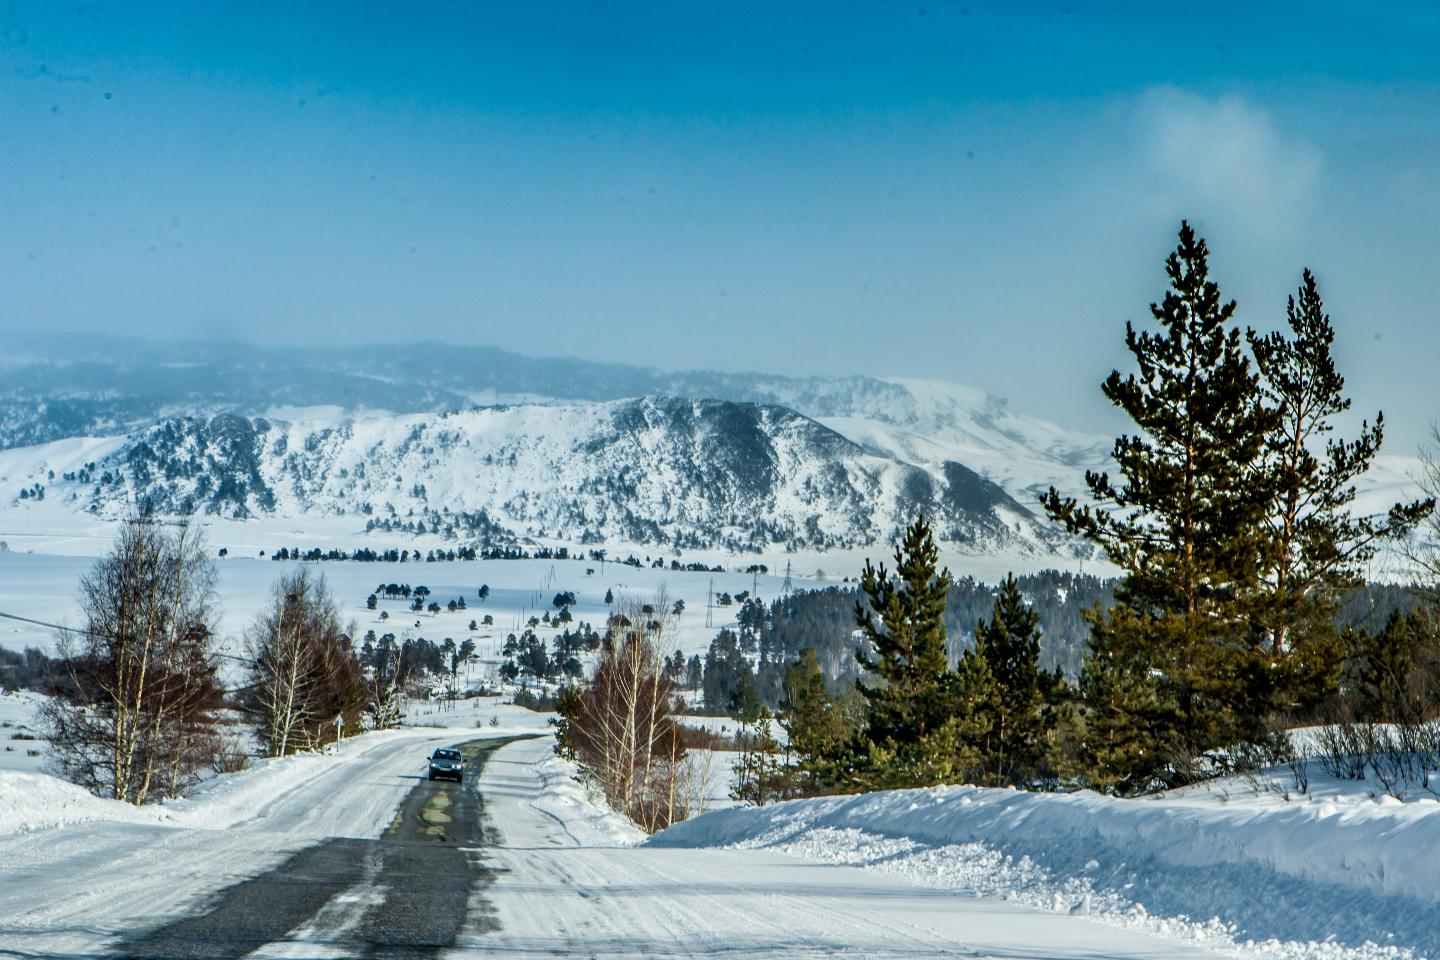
(491, 446)
(690, 473)
(516, 446)
(55, 388)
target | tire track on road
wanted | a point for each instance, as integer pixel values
(422, 877)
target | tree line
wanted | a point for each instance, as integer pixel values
(746, 664)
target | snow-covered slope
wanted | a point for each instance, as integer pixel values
(929, 421)
(720, 460)
(679, 472)
(1332, 877)
(56, 388)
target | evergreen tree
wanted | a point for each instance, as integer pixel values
(1128, 716)
(1019, 705)
(1316, 547)
(745, 704)
(817, 725)
(761, 775)
(1184, 522)
(920, 718)
(1393, 675)
(727, 675)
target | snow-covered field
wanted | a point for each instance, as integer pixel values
(20, 748)
(45, 587)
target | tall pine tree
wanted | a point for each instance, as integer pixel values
(819, 727)
(1023, 694)
(1316, 546)
(1183, 522)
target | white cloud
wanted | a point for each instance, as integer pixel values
(1226, 160)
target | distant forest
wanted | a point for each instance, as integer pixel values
(752, 661)
(770, 636)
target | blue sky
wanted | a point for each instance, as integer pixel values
(977, 191)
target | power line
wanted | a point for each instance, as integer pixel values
(98, 636)
(42, 623)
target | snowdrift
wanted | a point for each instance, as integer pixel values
(1353, 877)
(38, 801)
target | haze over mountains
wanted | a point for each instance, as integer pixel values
(488, 447)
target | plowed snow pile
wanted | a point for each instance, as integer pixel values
(1346, 877)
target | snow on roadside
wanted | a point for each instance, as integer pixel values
(585, 817)
(1304, 880)
(38, 801)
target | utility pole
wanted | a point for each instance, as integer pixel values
(710, 605)
(786, 586)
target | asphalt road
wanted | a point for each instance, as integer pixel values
(408, 894)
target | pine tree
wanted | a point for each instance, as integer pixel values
(761, 775)
(1316, 547)
(817, 725)
(745, 704)
(921, 722)
(1184, 523)
(1009, 645)
(1392, 674)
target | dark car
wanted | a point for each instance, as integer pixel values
(446, 763)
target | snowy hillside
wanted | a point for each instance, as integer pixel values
(928, 421)
(56, 387)
(350, 437)
(664, 471)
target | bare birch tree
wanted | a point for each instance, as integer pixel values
(386, 680)
(304, 676)
(620, 728)
(136, 715)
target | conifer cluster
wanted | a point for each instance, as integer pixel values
(918, 719)
(1230, 513)
(1230, 517)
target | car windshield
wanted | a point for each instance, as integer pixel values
(447, 755)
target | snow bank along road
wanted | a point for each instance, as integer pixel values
(326, 867)
(1332, 876)
(554, 896)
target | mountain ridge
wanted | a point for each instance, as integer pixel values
(908, 445)
(690, 473)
